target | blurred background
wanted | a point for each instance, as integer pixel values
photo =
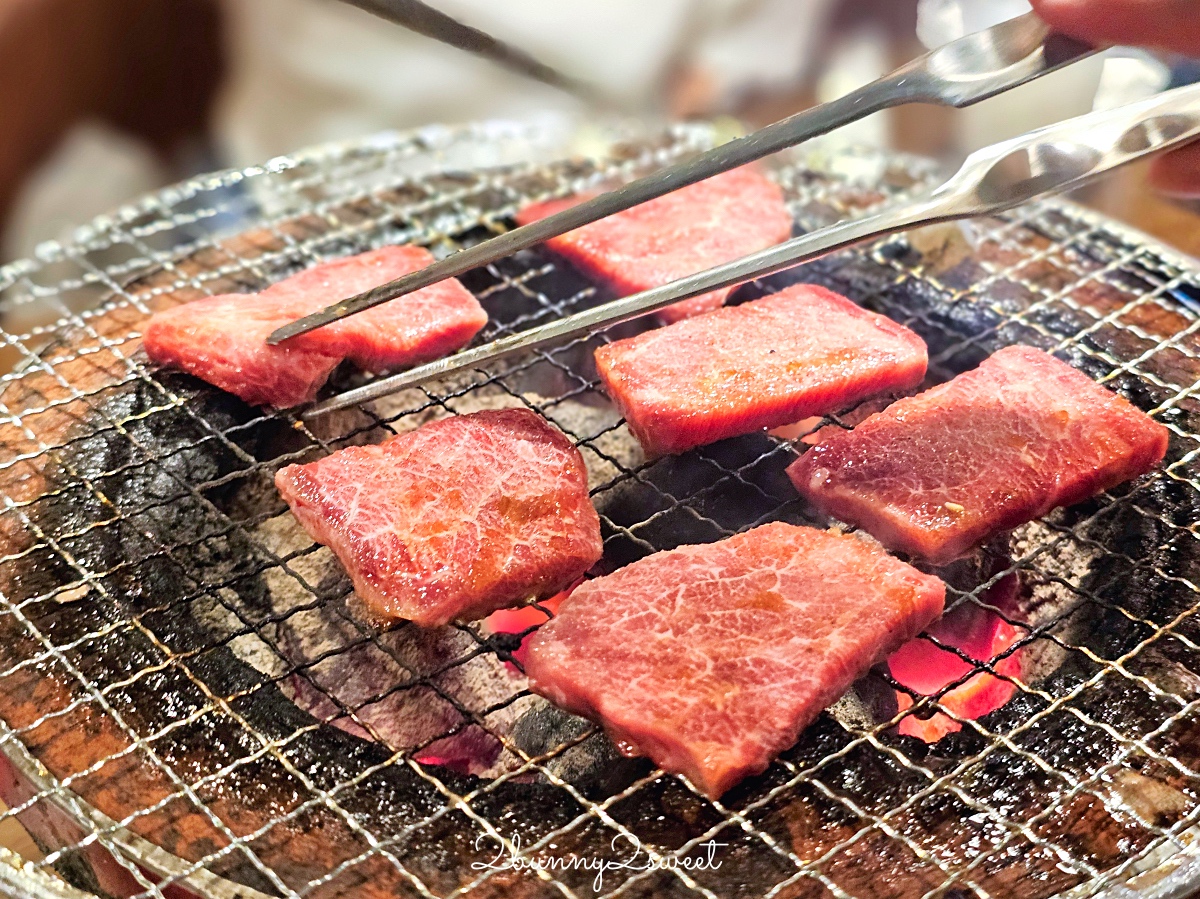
(107, 99)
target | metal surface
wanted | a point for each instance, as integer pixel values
(959, 74)
(152, 588)
(1055, 159)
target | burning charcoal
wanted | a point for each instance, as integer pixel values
(593, 766)
(869, 702)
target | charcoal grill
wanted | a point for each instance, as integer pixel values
(167, 731)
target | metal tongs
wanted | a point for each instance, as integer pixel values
(1052, 159)
(958, 74)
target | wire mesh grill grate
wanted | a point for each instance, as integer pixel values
(189, 701)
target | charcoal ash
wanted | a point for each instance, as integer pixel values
(591, 763)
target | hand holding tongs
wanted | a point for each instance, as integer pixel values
(958, 74)
(1052, 159)
(1056, 158)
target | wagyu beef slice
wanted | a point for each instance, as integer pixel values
(418, 327)
(804, 351)
(684, 232)
(934, 474)
(454, 520)
(222, 339)
(711, 659)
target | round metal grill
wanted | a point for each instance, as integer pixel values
(190, 705)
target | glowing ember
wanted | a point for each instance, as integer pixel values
(467, 752)
(926, 669)
(800, 430)
(525, 618)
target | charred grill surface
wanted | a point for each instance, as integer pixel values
(175, 652)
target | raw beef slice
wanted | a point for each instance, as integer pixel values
(711, 659)
(454, 520)
(222, 339)
(681, 233)
(801, 352)
(998, 446)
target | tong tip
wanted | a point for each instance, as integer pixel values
(306, 324)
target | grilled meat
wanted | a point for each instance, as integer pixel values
(1023, 433)
(452, 521)
(222, 339)
(684, 232)
(802, 352)
(711, 659)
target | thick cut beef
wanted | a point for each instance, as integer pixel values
(801, 352)
(222, 339)
(711, 659)
(454, 520)
(681, 233)
(934, 474)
